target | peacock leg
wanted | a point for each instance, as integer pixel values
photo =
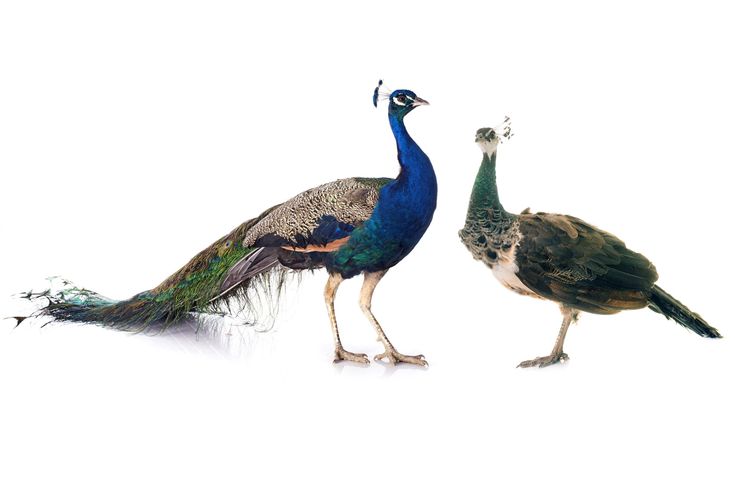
(330, 290)
(557, 354)
(366, 298)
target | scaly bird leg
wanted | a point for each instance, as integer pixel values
(557, 354)
(330, 290)
(366, 298)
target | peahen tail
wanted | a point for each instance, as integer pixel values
(671, 308)
(224, 275)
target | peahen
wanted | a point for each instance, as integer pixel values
(561, 258)
(350, 226)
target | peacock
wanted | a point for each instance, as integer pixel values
(561, 258)
(349, 227)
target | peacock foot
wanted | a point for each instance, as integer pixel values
(341, 354)
(396, 358)
(545, 361)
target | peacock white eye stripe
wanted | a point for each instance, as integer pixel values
(396, 101)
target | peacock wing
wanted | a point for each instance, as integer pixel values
(318, 220)
(565, 259)
(315, 219)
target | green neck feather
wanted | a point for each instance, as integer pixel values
(485, 191)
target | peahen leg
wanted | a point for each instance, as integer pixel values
(330, 290)
(366, 298)
(557, 354)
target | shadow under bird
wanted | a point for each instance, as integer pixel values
(561, 258)
(351, 226)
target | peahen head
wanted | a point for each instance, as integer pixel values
(489, 138)
(400, 102)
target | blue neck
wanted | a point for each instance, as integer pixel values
(414, 162)
(401, 216)
(403, 139)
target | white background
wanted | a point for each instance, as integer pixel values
(133, 135)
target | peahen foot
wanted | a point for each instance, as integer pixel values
(545, 361)
(341, 354)
(395, 358)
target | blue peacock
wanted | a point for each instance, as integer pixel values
(349, 227)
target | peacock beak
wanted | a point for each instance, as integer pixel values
(418, 101)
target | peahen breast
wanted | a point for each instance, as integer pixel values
(493, 237)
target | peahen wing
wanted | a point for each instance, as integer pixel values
(565, 259)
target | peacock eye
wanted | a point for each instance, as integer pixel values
(400, 99)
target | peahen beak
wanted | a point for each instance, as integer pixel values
(418, 101)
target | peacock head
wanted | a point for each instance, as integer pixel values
(400, 102)
(489, 138)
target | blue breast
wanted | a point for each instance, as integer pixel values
(402, 214)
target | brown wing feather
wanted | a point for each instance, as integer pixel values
(565, 259)
(287, 233)
(349, 201)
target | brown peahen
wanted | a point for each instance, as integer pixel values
(561, 258)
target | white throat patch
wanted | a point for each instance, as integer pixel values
(489, 147)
